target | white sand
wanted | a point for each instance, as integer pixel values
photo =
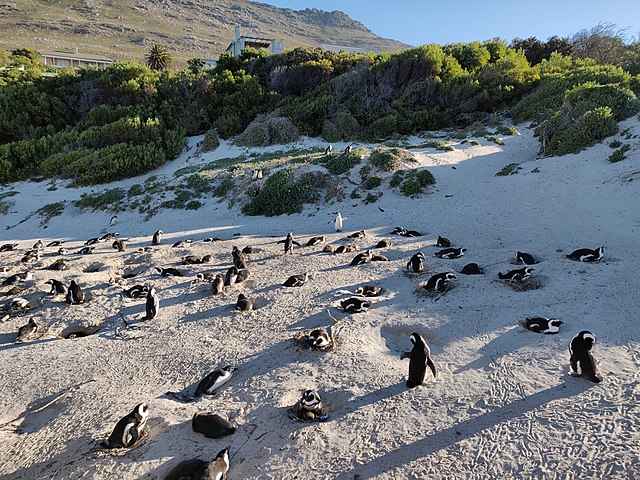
(503, 405)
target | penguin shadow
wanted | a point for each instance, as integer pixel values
(38, 415)
(7, 341)
(340, 403)
(458, 432)
(316, 320)
(225, 310)
(507, 342)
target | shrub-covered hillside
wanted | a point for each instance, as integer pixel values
(93, 126)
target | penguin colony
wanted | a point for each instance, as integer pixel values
(130, 429)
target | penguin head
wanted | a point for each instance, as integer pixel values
(310, 399)
(207, 258)
(223, 455)
(359, 291)
(365, 305)
(554, 322)
(462, 250)
(600, 251)
(588, 338)
(319, 338)
(528, 270)
(218, 277)
(141, 411)
(229, 368)
(151, 290)
(449, 276)
(242, 297)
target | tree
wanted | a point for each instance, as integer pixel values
(195, 65)
(604, 43)
(4, 57)
(26, 57)
(158, 58)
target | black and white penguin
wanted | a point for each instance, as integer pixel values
(516, 275)
(358, 235)
(368, 291)
(443, 242)
(231, 276)
(211, 425)
(472, 269)
(92, 241)
(17, 278)
(75, 295)
(309, 407)
(244, 303)
(59, 265)
(238, 258)
(289, 242)
(243, 275)
(213, 381)
(525, 258)
(129, 429)
(328, 150)
(38, 245)
(257, 175)
(191, 260)
(580, 351)
(63, 251)
(316, 240)
(384, 244)
(217, 286)
(112, 222)
(248, 250)
(338, 222)
(320, 339)
(379, 258)
(355, 305)
(137, 291)
(31, 256)
(542, 324)
(152, 306)
(207, 277)
(587, 255)
(197, 469)
(155, 240)
(403, 232)
(56, 287)
(118, 245)
(362, 258)
(350, 247)
(27, 331)
(182, 243)
(55, 243)
(296, 280)
(212, 239)
(439, 282)
(419, 360)
(8, 247)
(108, 236)
(16, 304)
(86, 250)
(348, 150)
(416, 263)
(169, 272)
(450, 253)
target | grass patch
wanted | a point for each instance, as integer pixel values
(389, 160)
(494, 139)
(437, 144)
(475, 143)
(415, 182)
(186, 170)
(615, 144)
(371, 183)
(47, 212)
(224, 187)
(510, 169)
(507, 131)
(5, 205)
(108, 200)
(619, 154)
(343, 163)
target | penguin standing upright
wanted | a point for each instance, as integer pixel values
(118, 245)
(231, 276)
(289, 242)
(328, 150)
(348, 150)
(75, 295)
(152, 305)
(129, 429)
(338, 222)
(580, 351)
(238, 258)
(416, 263)
(217, 286)
(419, 360)
(155, 240)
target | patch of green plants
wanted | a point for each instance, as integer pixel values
(437, 144)
(355, 194)
(510, 169)
(415, 182)
(210, 141)
(389, 159)
(475, 143)
(507, 130)
(111, 200)
(371, 183)
(341, 164)
(186, 170)
(135, 190)
(619, 154)
(494, 139)
(224, 187)
(396, 179)
(47, 212)
(365, 172)
(7, 194)
(535, 170)
(5, 205)
(282, 193)
(615, 143)
(372, 197)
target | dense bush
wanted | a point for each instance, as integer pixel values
(210, 141)
(389, 160)
(268, 130)
(282, 193)
(342, 163)
(619, 154)
(415, 182)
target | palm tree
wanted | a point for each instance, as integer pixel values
(158, 58)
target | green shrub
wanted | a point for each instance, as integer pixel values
(340, 164)
(47, 212)
(210, 141)
(615, 143)
(268, 130)
(109, 200)
(372, 198)
(415, 182)
(193, 205)
(396, 179)
(475, 143)
(389, 160)
(282, 194)
(371, 183)
(504, 130)
(509, 169)
(224, 187)
(494, 139)
(135, 190)
(619, 154)
(342, 126)
(5, 205)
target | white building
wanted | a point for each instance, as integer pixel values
(57, 58)
(240, 42)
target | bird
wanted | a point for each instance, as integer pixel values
(289, 242)
(516, 275)
(214, 380)
(328, 150)
(296, 280)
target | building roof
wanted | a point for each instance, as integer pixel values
(75, 56)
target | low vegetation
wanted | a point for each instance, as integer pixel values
(619, 154)
(510, 169)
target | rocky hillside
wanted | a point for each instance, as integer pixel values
(123, 29)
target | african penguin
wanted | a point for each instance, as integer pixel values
(328, 150)
(542, 324)
(182, 243)
(214, 380)
(92, 241)
(358, 235)
(450, 253)
(316, 240)
(243, 275)
(587, 255)
(207, 277)
(63, 251)
(31, 256)
(86, 250)
(257, 175)
(525, 258)
(238, 258)
(403, 232)
(75, 295)
(580, 351)
(231, 276)
(439, 282)
(155, 240)
(320, 339)
(296, 280)
(17, 304)
(169, 272)
(152, 305)
(59, 265)
(379, 258)
(191, 260)
(350, 247)
(108, 236)
(516, 275)
(443, 242)
(384, 244)
(355, 305)
(18, 278)
(416, 263)
(289, 242)
(55, 243)
(56, 287)
(197, 469)
(248, 250)
(118, 245)
(338, 222)
(362, 258)
(211, 425)
(472, 269)
(347, 150)
(38, 245)
(129, 429)
(244, 303)
(309, 407)
(7, 247)
(419, 360)
(137, 291)
(368, 291)
(27, 331)
(217, 286)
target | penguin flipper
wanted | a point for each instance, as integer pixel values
(296, 243)
(404, 355)
(431, 365)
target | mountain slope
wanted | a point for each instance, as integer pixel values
(123, 29)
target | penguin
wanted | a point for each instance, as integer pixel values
(129, 429)
(439, 282)
(231, 276)
(419, 360)
(328, 150)
(309, 407)
(472, 269)
(580, 355)
(86, 250)
(244, 303)
(384, 244)
(17, 278)
(358, 235)
(316, 240)
(108, 236)
(207, 277)
(238, 258)
(289, 242)
(248, 250)
(355, 305)
(329, 248)
(243, 275)
(17, 304)
(31, 256)
(214, 380)
(542, 324)
(58, 265)
(16, 290)
(197, 469)
(296, 280)
(212, 239)
(56, 287)
(217, 286)
(55, 243)
(137, 291)
(118, 245)
(362, 258)
(155, 240)
(319, 339)
(403, 232)
(38, 245)
(443, 242)
(92, 241)
(206, 259)
(211, 425)
(450, 253)
(416, 263)
(75, 295)
(516, 275)
(63, 251)
(152, 306)
(368, 291)
(257, 175)
(525, 258)
(169, 272)
(8, 247)
(112, 222)
(27, 331)
(196, 260)
(348, 150)
(338, 222)
(350, 247)
(587, 255)
(379, 258)
(182, 243)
